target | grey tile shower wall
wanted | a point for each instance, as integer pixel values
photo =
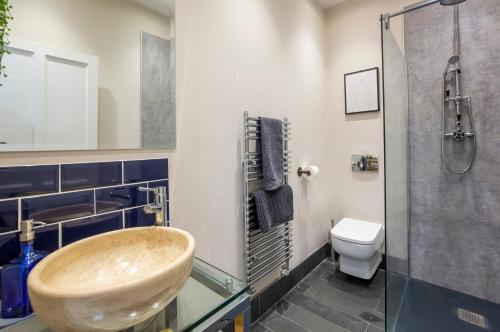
(455, 220)
(75, 200)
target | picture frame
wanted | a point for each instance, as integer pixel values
(362, 91)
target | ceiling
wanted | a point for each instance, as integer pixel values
(330, 3)
(164, 7)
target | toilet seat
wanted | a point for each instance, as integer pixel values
(357, 231)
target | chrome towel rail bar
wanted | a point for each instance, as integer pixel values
(264, 252)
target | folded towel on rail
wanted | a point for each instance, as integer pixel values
(273, 207)
(271, 145)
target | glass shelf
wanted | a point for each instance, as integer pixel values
(207, 291)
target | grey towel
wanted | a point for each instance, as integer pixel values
(271, 145)
(273, 207)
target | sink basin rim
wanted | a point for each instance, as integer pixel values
(57, 292)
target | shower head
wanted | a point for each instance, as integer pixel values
(450, 2)
(451, 61)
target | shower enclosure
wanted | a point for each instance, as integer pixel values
(441, 67)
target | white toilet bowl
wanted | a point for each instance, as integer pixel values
(359, 244)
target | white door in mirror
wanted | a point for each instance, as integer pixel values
(48, 97)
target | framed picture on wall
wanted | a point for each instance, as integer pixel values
(361, 91)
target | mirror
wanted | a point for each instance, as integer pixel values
(89, 74)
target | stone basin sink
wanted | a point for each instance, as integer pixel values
(111, 281)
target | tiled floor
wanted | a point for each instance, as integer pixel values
(328, 300)
(395, 292)
(431, 308)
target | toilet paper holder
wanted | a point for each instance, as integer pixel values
(311, 171)
(301, 172)
(364, 163)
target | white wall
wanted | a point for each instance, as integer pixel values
(354, 43)
(266, 57)
(109, 30)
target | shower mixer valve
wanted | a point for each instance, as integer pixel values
(459, 134)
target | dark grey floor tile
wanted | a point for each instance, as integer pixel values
(258, 327)
(381, 306)
(372, 328)
(354, 304)
(278, 289)
(281, 307)
(378, 280)
(344, 294)
(278, 323)
(311, 321)
(329, 300)
(373, 318)
(302, 287)
(324, 267)
(357, 290)
(326, 312)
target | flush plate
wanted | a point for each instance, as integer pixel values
(364, 163)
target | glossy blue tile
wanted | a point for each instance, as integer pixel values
(47, 238)
(137, 218)
(90, 175)
(28, 180)
(110, 199)
(163, 183)
(9, 247)
(58, 207)
(79, 229)
(8, 216)
(145, 170)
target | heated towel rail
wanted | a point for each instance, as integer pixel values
(264, 252)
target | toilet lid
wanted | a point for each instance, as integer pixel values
(357, 231)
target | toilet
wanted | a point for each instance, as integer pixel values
(359, 244)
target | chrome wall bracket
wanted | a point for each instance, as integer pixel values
(386, 18)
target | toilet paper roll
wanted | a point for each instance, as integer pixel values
(313, 169)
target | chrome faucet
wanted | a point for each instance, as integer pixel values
(159, 207)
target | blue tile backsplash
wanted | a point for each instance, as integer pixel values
(79, 229)
(145, 170)
(47, 238)
(28, 180)
(76, 200)
(137, 218)
(111, 199)
(9, 247)
(8, 216)
(59, 207)
(90, 175)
